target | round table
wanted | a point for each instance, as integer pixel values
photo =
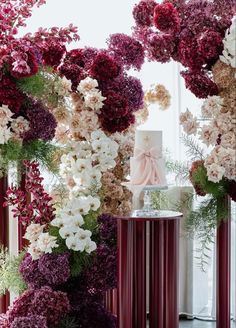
(163, 273)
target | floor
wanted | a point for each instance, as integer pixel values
(200, 324)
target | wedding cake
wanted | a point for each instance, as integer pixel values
(147, 166)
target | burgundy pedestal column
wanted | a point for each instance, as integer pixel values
(171, 284)
(223, 267)
(4, 233)
(164, 261)
(21, 229)
(125, 274)
(156, 308)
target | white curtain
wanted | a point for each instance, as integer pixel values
(96, 20)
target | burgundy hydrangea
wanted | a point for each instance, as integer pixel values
(189, 55)
(32, 321)
(126, 49)
(189, 32)
(10, 95)
(115, 106)
(199, 84)
(105, 67)
(53, 53)
(72, 72)
(75, 56)
(55, 268)
(117, 124)
(166, 18)
(143, 13)
(53, 305)
(129, 87)
(30, 272)
(160, 47)
(210, 44)
(42, 122)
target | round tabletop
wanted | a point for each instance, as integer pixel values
(140, 215)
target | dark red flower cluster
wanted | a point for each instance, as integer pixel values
(115, 106)
(104, 67)
(127, 50)
(39, 210)
(200, 84)
(166, 18)
(117, 124)
(210, 44)
(190, 32)
(10, 95)
(143, 13)
(53, 53)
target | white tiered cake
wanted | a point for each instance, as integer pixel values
(147, 167)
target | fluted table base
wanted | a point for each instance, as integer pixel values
(164, 265)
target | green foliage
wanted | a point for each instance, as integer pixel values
(43, 152)
(201, 179)
(66, 323)
(78, 262)
(9, 272)
(41, 86)
(90, 223)
(35, 85)
(194, 150)
(181, 170)
(54, 231)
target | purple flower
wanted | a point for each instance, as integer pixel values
(126, 49)
(30, 272)
(55, 268)
(42, 122)
(32, 321)
(53, 305)
(129, 87)
(102, 275)
(107, 228)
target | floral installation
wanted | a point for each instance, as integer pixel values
(27, 125)
(212, 171)
(189, 32)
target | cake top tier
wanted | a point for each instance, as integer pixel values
(146, 139)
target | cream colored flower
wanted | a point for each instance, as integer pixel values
(215, 172)
(228, 140)
(87, 85)
(5, 115)
(19, 126)
(94, 100)
(208, 135)
(212, 106)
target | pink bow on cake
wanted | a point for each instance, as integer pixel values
(149, 167)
